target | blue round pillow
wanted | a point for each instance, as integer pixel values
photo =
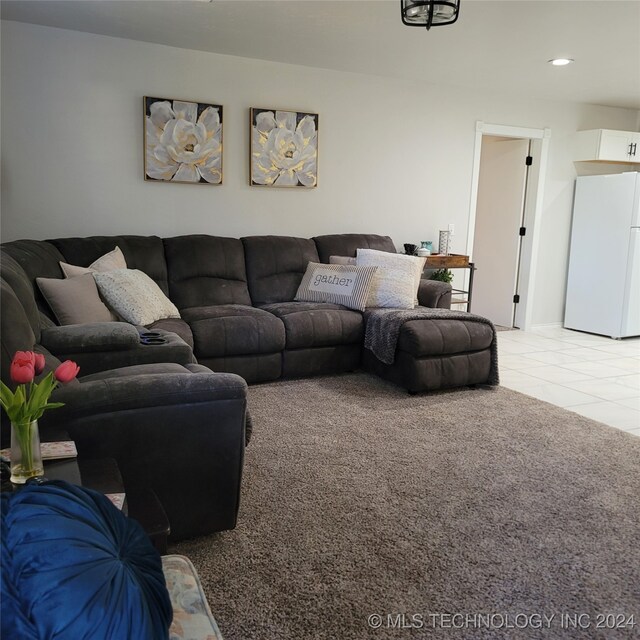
(74, 567)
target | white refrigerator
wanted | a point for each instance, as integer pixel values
(603, 285)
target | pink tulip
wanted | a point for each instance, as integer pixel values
(25, 357)
(22, 368)
(66, 372)
(39, 363)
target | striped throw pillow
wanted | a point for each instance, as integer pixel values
(340, 284)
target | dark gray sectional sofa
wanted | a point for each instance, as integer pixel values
(235, 297)
(239, 320)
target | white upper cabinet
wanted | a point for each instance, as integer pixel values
(606, 145)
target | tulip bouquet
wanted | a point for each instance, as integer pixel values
(26, 404)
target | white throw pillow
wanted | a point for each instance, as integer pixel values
(134, 296)
(340, 284)
(108, 262)
(396, 282)
(342, 260)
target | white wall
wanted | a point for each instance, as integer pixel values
(394, 157)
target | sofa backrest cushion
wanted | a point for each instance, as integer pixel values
(17, 334)
(206, 270)
(38, 259)
(14, 275)
(346, 244)
(145, 253)
(275, 266)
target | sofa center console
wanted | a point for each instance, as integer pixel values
(110, 345)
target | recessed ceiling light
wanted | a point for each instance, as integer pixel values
(560, 62)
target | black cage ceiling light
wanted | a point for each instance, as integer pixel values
(429, 13)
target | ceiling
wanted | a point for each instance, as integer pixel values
(501, 45)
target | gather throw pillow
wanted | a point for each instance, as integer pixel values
(74, 300)
(347, 285)
(108, 262)
(134, 296)
(342, 260)
(396, 282)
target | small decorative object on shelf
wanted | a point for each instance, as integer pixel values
(25, 406)
(443, 245)
(410, 249)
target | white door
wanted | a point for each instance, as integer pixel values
(499, 212)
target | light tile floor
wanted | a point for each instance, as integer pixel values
(594, 376)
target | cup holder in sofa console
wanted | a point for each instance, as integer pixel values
(152, 337)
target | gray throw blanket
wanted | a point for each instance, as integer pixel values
(382, 328)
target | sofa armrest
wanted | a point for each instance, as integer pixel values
(434, 293)
(149, 390)
(90, 338)
(180, 434)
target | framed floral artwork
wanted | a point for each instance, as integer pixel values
(284, 148)
(182, 141)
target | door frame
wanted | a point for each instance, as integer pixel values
(533, 207)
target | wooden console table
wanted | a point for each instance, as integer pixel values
(454, 261)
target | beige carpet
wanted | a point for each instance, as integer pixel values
(359, 499)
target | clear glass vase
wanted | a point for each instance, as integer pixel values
(26, 457)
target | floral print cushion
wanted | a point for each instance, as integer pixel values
(192, 618)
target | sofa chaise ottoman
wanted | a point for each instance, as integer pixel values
(431, 354)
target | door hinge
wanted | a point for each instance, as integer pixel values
(523, 231)
(529, 161)
(516, 298)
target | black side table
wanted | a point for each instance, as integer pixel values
(140, 504)
(103, 475)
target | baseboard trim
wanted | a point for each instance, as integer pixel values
(547, 325)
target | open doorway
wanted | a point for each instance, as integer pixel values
(507, 189)
(502, 187)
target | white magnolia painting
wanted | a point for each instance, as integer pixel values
(183, 141)
(284, 148)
